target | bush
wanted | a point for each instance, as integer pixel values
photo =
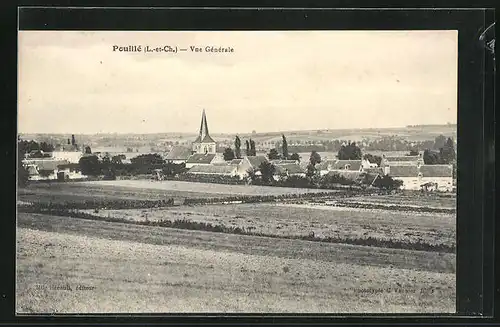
(388, 183)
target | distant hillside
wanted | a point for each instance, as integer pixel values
(161, 140)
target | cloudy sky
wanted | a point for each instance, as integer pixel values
(73, 82)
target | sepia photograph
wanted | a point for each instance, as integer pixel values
(236, 172)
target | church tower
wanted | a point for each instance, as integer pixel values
(204, 143)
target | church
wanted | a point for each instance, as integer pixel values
(204, 143)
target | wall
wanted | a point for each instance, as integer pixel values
(410, 183)
(445, 184)
(72, 157)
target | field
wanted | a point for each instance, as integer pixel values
(135, 268)
(301, 220)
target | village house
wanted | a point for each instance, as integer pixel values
(69, 171)
(71, 156)
(288, 170)
(408, 174)
(418, 177)
(204, 159)
(254, 162)
(219, 170)
(350, 165)
(246, 163)
(43, 169)
(283, 162)
(400, 161)
(358, 177)
(440, 175)
(178, 155)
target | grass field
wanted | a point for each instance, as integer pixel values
(205, 188)
(135, 268)
(295, 220)
(129, 268)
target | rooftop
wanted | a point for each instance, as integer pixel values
(211, 169)
(255, 161)
(178, 153)
(201, 158)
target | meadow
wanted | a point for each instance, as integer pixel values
(128, 268)
(273, 266)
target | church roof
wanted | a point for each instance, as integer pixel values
(207, 139)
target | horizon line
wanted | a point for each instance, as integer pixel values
(244, 133)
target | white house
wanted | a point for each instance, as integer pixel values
(442, 175)
(417, 177)
(408, 174)
(48, 169)
(71, 156)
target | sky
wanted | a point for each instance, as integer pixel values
(73, 81)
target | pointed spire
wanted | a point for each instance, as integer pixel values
(204, 126)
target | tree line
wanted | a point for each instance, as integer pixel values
(110, 167)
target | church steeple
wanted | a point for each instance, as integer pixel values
(203, 136)
(204, 126)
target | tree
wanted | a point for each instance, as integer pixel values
(90, 165)
(439, 142)
(151, 159)
(315, 158)
(285, 147)
(273, 154)
(248, 148)
(88, 150)
(388, 183)
(349, 152)
(295, 156)
(237, 147)
(252, 148)
(69, 142)
(116, 160)
(431, 157)
(267, 171)
(172, 169)
(447, 152)
(22, 172)
(228, 154)
(252, 176)
(46, 147)
(73, 142)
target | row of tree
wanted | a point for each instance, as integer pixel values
(108, 167)
(445, 154)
